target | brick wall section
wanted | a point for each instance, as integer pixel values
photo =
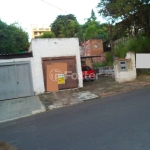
(87, 48)
(99, 59)
(50, 48)
(93, 47)
(96, 46)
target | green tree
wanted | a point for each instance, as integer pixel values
(12, 38)
(47, 34)
(93, 17)
(135, 14)
(96, 30)
(65, 26)
(93, 29)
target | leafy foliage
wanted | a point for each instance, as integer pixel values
(65, 26)
(93, 29)
(139, 45)
(12, 38)
(109, 59)
(47, 34)
(97, 65)
(93, 17)
(120, 8)
(135, 15)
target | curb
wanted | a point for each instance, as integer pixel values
(39, 110)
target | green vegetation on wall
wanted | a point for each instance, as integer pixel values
(138, 45)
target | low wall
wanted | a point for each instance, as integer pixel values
(128, 71)
(107, 71)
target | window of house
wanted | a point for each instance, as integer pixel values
(35, 33)
(123, 66)
(95, 46)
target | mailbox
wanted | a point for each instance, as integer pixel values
(123, 65)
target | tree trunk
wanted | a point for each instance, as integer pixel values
(111, 41)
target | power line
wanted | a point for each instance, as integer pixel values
(54, 6)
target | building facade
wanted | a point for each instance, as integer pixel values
(93, 47)
(37, 30)
(21, 77)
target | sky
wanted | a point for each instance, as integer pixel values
(28, 12)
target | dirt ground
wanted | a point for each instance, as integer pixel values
(106, 86)
(6, 146)
(103, 86)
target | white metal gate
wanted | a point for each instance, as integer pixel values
(15, 80)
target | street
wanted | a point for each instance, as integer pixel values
(120, 122)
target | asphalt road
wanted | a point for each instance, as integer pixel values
(120, 122)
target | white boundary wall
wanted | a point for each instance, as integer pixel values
(130, 73)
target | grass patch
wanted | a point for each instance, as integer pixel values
(143, 71)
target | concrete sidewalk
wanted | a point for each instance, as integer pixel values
(18, 108)
(104, 86)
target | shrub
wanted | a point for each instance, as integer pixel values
(138, 45)
(109, 59)
(97, 65)
(108, 62)
(143, 71)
